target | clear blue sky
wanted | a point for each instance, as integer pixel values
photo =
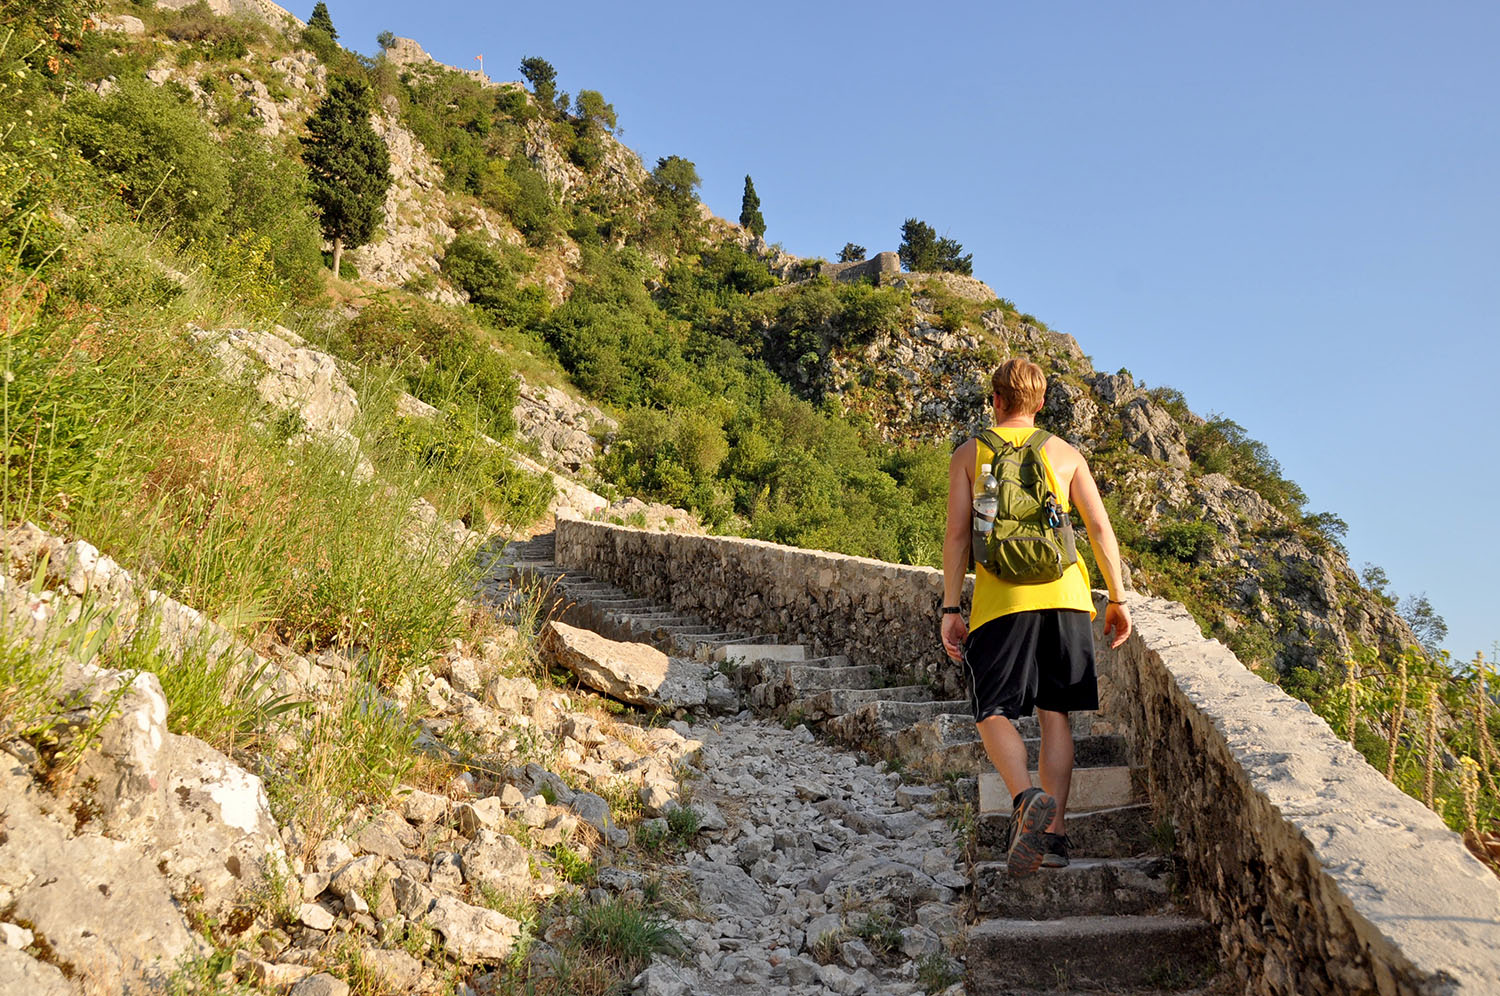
(1288, 211)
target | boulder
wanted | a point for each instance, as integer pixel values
(631, 672)
(133, 933)
(498, 861)
(222, 835)
(472, 933)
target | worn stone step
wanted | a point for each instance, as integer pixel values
(1089, 952)
(1114, 832)
(837, 701)
(702, 646)
(1092, 788)
(620, 603)
(877, 723)
(955, 728)
(742, 653)
(811, 677)
(1088, 886)
(1088, 752)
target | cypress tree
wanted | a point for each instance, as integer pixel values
(348, 165)
(321, 20)
(750, 216)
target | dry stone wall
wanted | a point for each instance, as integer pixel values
(1322, 877)
(879, 612)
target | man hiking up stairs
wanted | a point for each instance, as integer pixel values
(1029, 644)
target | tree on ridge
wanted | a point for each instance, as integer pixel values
(543, 79)
(852, 253)
(750, 216)
(321, 20)
(921, 251)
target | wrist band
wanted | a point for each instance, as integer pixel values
(951, 610)
(1113, 601)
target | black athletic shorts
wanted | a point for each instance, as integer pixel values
(1040, 659)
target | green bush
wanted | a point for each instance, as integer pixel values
(488, 273)
(155, 147)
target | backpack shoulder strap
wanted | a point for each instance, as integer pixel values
(1038, 439)
(991, 439)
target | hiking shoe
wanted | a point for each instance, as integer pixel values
(1055, 854)
(1030, 813)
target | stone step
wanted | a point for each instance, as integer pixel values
(1089, 952)
(876, 723)
(1088, 752)
(744, 653)
(701, 646)
(612, 603)
(1092, 788)
(1086, 887)
(812, 677)
(837, 701)
(950, 743)
(1115, 832)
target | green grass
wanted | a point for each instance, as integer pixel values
(626, 931)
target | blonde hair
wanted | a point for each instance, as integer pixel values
(1020, 386)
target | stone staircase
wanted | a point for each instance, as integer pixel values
(1109, 923)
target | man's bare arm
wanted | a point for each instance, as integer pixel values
(956, 543)
(1084, 495)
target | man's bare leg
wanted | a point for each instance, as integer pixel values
(1007, 752)
(1056, 761)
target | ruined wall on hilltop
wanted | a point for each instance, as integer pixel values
(1321, 876)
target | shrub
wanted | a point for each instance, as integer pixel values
(158, 152)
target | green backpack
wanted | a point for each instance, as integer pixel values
(1032, 540)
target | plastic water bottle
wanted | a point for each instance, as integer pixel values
(986, 501)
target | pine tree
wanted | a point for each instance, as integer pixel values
(852, 253)
(921, 251)
(542, 77)
(321, 20)
(348, 165)
(750, 216)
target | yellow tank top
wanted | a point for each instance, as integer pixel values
(994, 598)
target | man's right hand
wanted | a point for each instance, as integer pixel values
(955, 632)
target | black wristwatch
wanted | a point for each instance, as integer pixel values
(951, 610)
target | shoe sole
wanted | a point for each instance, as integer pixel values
(1025, 855)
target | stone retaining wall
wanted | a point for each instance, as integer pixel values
(878, 612)
(1322, 877)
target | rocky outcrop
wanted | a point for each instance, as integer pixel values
(560, 426)
(1154, 434)
(292, 378)
(414, 229)
(271, 13)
